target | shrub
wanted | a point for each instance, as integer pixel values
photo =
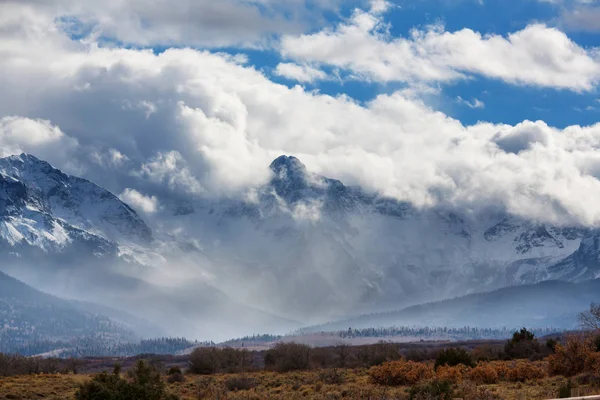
(204, 361)
(525, 371)
(570, 359)
(468, 391)
(144, 383)
(592, 364)
(175, 375)
(435, 389)
(332, 376)
(551, 344)
(398, 373)
(286, 357)
(377, 354)
(236, 383)
(454, 374)
(523, 345)
(484, 373)
(453, 357)
(209, 360)
(488, 353)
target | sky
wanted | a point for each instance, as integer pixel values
(471, 103)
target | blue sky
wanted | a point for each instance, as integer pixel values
(496, 101)
(503, 103)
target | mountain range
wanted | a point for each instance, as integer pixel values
(301, 249)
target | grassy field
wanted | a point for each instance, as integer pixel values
(323, 384)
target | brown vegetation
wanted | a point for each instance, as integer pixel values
(290, 371)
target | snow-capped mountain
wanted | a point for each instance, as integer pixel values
(310, 245)
(302, 246)
(44, 211)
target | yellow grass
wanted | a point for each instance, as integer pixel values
(274, 386)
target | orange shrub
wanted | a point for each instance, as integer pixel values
(592, 363)
(398, 373)
(525, 371)
(484, 373)
(570, 359)
(501, 368)
(454, 374)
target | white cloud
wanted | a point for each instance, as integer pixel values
(35, 136)
(217, 124)
(300, 73)
(183, 22)
(475, 103)
(147, 204)
(537, 55)
(171, 169)
(110, 159)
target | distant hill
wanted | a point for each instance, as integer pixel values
(547, 304)
(30, 321)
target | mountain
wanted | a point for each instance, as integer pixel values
(35, 322)
(70, 237)
(303, 246)
(311, 247)
(45, 213)
(550, 304)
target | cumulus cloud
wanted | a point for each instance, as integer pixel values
(35, 136)
(216, 125)
(185, 22)
(147, 204)
(537, 55)
(110, 159)
(300, 73)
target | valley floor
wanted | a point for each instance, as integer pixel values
(271, 385)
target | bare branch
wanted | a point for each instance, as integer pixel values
(590, 319)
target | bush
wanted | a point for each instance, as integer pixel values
(570, 359)
(523, 345)
(235, 383)
(592, 364)
(399, 373)
(378, 354)
(453, 357)
(468, 391)
(436, 389)
(286, 357)
(484, 373)
(332, 376)
(454, 374)
(175, 375)
(209, 360)
(144, 383)
(525, 371)
(597, 342)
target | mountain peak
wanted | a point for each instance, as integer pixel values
(288, 166)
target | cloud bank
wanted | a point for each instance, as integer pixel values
(186, 123)
(538, 55)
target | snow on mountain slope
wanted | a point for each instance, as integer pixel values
(43, 209)
(316, 248)
(304, 246)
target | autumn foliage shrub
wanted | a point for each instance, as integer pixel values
(524, 371)
(401, 372)
(484, 373)
(454, 374)
(570, 359)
